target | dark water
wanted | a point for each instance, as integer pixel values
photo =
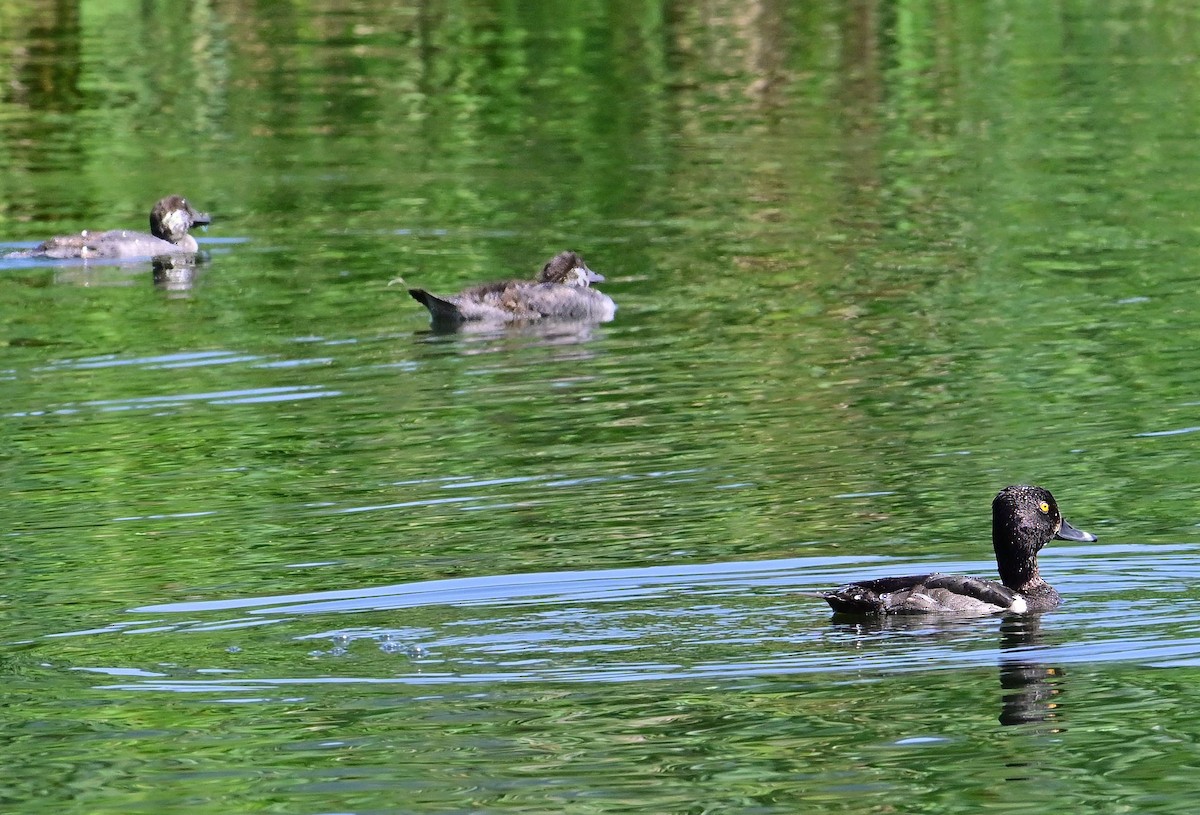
(271, 545)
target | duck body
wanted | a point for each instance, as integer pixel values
(932, 593)
(171, 219)
(561, 291)
(1024, 519)
(116, 244)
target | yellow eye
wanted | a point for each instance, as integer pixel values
(1044, 507)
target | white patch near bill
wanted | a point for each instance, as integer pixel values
(176, 221)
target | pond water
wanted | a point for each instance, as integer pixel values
(272, 545)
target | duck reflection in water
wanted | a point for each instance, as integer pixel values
(1029, 688)
(176, 274)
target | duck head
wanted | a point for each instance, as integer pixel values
(1024, 519)
(172, 218)
(568, 268)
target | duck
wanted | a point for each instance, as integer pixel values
(561, 291)
(1024, 519)
(171, 219)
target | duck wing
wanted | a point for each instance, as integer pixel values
(925, 594)
(561, 302)
(68, 246)
(115, 244)
(493, 292)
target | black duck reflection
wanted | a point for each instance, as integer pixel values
(1029, 688)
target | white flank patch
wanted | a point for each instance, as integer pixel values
(1019, 606)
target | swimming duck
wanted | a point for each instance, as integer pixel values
(562, 290)
(170, 221)
(1024, 519)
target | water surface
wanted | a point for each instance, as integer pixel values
(271, 544)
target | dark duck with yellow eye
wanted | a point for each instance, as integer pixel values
(1024, 519)
(170, 221)
(561, 291)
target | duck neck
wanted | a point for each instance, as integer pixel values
(1021, 573)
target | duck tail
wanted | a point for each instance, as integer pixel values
(442, 311)
(852, 599)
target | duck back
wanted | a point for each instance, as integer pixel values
(924, 594)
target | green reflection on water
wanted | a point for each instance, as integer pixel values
(903, 252)
(927, 743)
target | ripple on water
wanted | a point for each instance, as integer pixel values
(724, 620)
